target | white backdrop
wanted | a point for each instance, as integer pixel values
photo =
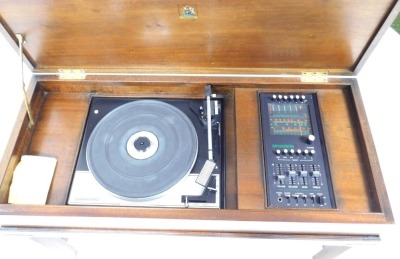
(379, 82)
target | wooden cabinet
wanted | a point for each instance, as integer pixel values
(145, 49)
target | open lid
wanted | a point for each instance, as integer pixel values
(209, 36)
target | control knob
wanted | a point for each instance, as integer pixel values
(310, 139)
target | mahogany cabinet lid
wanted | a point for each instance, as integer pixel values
(206, 35)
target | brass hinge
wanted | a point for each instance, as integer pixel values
(314, 77)
(71, 74)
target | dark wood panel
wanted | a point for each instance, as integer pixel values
(367, 237)
(57, 134)
(371, 157)
(350, 174)
(19, 141)
(60, 125)
(276, 215)
(149, 35)
(250, 170)
(231, 194)
(61, 114)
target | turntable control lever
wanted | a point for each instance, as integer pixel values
(209, 130)
(209, 165)
(209, 194)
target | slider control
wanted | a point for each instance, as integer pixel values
(316, 173)
(281, 179)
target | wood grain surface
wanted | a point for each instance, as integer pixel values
(61, 111)
(243, 41)
(227, 35)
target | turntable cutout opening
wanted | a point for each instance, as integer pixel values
(142, 145)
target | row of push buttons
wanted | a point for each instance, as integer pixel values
(292, 98)
(303, 199)
(292, 152)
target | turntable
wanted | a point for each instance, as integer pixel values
(151, 152)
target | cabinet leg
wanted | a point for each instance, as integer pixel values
(330, 252)
(57, 246)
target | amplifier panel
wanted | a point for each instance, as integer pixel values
(295, 160)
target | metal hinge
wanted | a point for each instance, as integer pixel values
(314, 77)
(71, 74)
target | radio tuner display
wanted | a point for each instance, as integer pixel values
(297, 173)
(289, 119)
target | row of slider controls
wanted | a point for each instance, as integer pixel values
(280, 97)
(281, 178)
(293, 173)
(293, 152)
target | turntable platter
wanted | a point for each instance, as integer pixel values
(141, 149)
